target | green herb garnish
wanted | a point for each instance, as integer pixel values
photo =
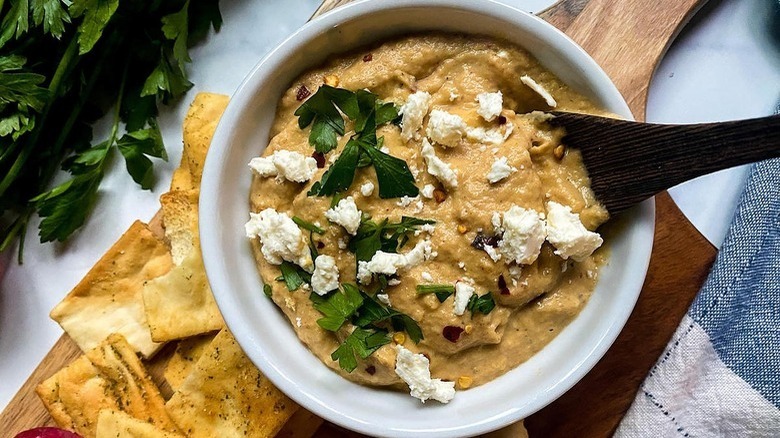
(361, 342)
(373, 312)
(442, 291)
(481, 304)
(267, 290)
(338, 306)
(386, 236)
(308, 226)
(322, 108)
(293, 276)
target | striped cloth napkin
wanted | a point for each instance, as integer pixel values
(720, 373)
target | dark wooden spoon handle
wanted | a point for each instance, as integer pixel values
(630, 161)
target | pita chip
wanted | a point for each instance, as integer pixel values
(226, 396)
(199, 126)
(117, 424)
(182, 179)
(108, 376)
(302, 424)
(183, 360)
(179, 304)
(180, 219)
(109, 298)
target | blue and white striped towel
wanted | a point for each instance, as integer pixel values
(720, 373)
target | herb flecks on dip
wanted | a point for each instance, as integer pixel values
(416, 217)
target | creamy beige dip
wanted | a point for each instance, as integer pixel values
(539, 299)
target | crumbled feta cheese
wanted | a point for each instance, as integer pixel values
(427, 228)
(393, 282)
(492, 136)
(490, 105)
(389, 263)
(462, 265)
(437, 167)
(283, 164)
(346, 214)
(298, 321)
(453, 96)
(427, 191)
(384, 150)
(414, 369)
(289, 303)
(500, 170)
(280, 237)
(523, 235)
(326, 275)
(503, 54)
(343, 243)
(426, 276)
(532, 84)
(463, 291)
(492, 252)
(445, 128)
(568, 235)
(412, 114)
(333, 158)
(384, 299)
(367, 188)
(515, 271)
(495, 220)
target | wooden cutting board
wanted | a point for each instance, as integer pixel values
(627, 38)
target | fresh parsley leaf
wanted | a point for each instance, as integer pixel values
(306, 225)
(16, 21)
(340, 174)
(96, 14)
(294, 276)
(51, 15)
(361, 342)
(338, 306)
(323, 136)
(18, 88)
(267, 290)
(64, 208)
(483, 304)
(442, 291)
(369, 103)
(374, 312)
(203, 14)
(389, 237)
(322, 108)
(175, 27)
(167, 80)
(393, 175)
(135, 147)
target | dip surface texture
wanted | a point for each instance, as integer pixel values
(534, 302)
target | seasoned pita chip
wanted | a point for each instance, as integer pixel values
(109, 298)
(117, 424)
(182, 180)
(187, 353)
(302, 424)
(226, 396)
(199, 125)
(108, 377)
(180, 304)
(180, 219)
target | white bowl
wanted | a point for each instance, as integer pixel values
(265, 334)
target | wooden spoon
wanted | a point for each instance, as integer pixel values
(629, 162)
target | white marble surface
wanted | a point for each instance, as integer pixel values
(723, 67)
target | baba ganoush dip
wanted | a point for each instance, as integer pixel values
(417, 219)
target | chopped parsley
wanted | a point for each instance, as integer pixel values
(322, 109)
(442, 291)
(293, 276)
(481, 304)
(372, 312)
(308, 226)
(385, 235)
(337, 306)
(267, 290)
(361, 342)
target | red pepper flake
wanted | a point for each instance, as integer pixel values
(320, 245)
(452, 333)
(302, 93)
(320, 158)
(502, 285)
(501, 120)
(371, 370)
(368, 57)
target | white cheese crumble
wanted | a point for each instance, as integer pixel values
(283, 164)
(280, 237)
(367, 188)
(326, 275)
(389, 263)
(532, 84)
(492, 253)
(427, 191)
(437, 167)
(346, 214)
(427, 228)
(412, 114)
(463, 292)
(492, 136)
(523, 235)
(426, 276)
(445, 128)
(500, 170)
(568, 235)
(393, 282)
(414, 369)
(490, 105)
(384, 299)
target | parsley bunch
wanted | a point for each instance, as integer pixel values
(323, 111)
(65, 64)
